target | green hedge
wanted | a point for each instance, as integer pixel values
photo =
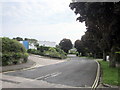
(34, 51)
(9, 45)
(42, 48)
(49, 52)
(55, 53)
(14, 58)
(13, 52)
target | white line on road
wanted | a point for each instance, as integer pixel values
(48, 76)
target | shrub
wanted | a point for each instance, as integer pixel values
(25, 57)
(49, 52)
(13, 52)
(60, 51)
(42, 48)
(53, 52)
(72, 52)
(9, 45)
(14, 58)
(6, 59)
(34, 51)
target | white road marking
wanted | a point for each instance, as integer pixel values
(48, 76)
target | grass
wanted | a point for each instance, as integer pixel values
(109, 75)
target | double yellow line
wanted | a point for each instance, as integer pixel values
(94, 86)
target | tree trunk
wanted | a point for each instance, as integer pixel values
(112, 58)
(82, 54)
(95, 55)
(117, 59)
(104, 55)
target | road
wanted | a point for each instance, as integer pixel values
(76, 72)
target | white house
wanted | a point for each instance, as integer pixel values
(47, 43)
(31, 46)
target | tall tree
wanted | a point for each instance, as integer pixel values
(65, 45)
(91, 45)
(102, 19)
(80, 47)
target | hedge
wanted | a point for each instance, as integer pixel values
(13, 52)
(49, 52)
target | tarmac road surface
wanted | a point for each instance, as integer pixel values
(76, 72)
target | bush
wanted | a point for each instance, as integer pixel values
(14, 58)
(13, 52)
(49, 52)
(60, 51)
(55, 53)
(32, 51)
(52, 53)
(42, 48)
(25, 57)
(9, 45)
(6, 59)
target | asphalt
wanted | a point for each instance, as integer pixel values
(76, 72)
(33, 62)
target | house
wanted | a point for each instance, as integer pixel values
(25, 44)
(47, 43)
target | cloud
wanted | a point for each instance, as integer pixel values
(53, 32)
(52, 6)
(37, 11)
(41, 19)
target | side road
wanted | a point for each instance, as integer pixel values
(33, 62)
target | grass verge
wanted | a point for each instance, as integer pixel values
(109, 75)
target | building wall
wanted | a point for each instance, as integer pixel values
(47, 43)
(41, 43)
(31, 46)
(25, 44)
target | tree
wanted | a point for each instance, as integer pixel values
(80, 47)
(26, 39)
(90, 45)
(65, 45)
(18, 39)
(102, 19)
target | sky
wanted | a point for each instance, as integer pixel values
(44, 20)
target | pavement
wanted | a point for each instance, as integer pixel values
(20, 82)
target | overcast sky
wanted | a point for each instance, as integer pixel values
(45, 20)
